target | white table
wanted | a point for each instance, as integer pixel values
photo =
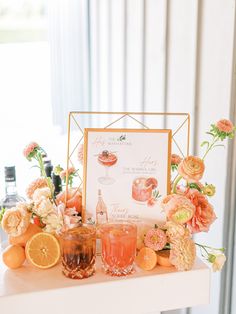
(28, 290)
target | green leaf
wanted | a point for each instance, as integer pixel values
(205, 143)
(2, 211)
(210, 133)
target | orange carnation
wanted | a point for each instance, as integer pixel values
(191, 168)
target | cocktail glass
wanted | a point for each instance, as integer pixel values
(107, 159)
(118, 242)
(79, 251)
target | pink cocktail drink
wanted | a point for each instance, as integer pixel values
(118, 247)
(107, 159)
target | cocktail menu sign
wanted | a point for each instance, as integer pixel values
(126, 173)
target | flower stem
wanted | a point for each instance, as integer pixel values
(176, 182)
(209, 247)
(39, 158)
(210, 146)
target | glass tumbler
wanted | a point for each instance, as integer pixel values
(118, 242)
(79, 251)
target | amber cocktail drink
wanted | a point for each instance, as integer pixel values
(79, 251)
(118, 247)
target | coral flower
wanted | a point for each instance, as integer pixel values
(16, 220)
(30, 150)
(191, 168)
(175, 159)
(204, 214)
(183, 254)
(71, 170)
(178, 208)
(36, 184)
(155, 239)
(225, 125)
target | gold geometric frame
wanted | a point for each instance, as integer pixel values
(73, 117)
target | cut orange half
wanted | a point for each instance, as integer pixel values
(163, 258)
(146, 258)
(43, 250)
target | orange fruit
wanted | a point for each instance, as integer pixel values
(23, 238)
(163, 258)
(146, 258)
(43, 250)
(13, 256)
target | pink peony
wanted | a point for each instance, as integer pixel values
(191, 168)
(183, 254)
(178, 208)
(29, 149)
(155, 239)
(36, 184)
(204, 214)
(225, 125)
(175, 159)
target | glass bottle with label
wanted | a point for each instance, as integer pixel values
(101, 210)
(10, 199)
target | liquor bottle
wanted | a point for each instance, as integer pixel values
(48, 167)
(56, 180)
(101, 210)
(10, 199)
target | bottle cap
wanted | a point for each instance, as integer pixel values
(10, 174)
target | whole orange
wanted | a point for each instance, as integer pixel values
(23, 238)
(13, 256)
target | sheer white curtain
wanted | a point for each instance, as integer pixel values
(152, 55)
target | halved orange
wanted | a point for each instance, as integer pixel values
(43, 250)
(146, 258)
(163, 258)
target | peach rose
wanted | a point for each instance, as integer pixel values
(16, 220)
(178, 208)
(191, 168)
(225, 125)
(204, 214)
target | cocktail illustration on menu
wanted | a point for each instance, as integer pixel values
(144, 190)
(107, 159)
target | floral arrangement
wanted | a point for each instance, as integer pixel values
(188, 210)
(43, 212)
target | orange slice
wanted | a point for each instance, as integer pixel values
(146, 258)
(163, 258)
(43, 250)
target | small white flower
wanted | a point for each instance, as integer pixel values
(53, 222)
(43, 208)
(40, 194)
(218, 262)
